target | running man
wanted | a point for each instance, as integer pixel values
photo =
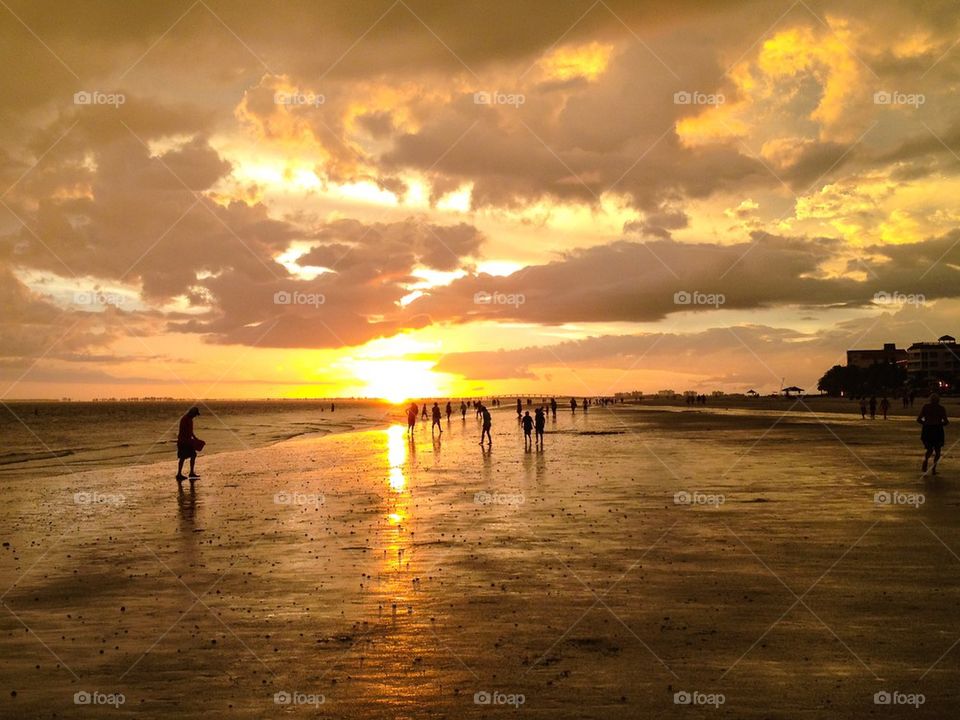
(436, 419)
(527, 423)
(933, 418)
(186, 449)
(485, 414)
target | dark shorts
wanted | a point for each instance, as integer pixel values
(185, 450)
(932, 436)
(486, 426)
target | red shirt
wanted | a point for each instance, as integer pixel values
(186, 429)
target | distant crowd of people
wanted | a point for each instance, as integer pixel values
(932, 418)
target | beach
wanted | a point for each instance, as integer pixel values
(648, 562)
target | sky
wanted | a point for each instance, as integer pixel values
(415, 199)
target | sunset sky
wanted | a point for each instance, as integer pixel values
(393, 199)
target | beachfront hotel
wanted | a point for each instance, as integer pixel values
(927, 363)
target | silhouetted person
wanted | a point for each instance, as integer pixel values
(933, 418)
(332, 407)
(487, 422)
(585, 404)
(463, 410)
(519, 409)
(425, 410)
(873, 407)
(863, 408)
(436, 418)
(449, 410)
(573, 404)
(187, 444)
(527, 423)
(412, 412)
(884, 407)
(553, 406)
(539, 422)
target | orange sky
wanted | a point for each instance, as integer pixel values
(400, 201)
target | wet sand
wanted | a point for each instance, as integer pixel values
(595, 579)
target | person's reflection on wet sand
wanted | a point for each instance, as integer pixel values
(187, 505)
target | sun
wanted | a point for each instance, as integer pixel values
(397, 380)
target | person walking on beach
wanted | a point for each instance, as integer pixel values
(424, 409)
(527, 423)
(519, 409)
(573, 404)
(449, 410)
(463, 410)
(933, 418)
(539, 422)
(412, 412)
(487, 422)
(863, 408)
(873, 407)
(884, 407)
(187, 444)
(436, 419)
(553, 407)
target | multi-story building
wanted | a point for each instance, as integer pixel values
(890, 354)
(935, 364)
